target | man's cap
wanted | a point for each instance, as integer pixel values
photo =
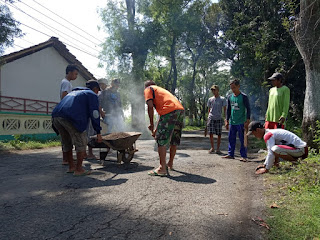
(253, 126)
(92, 84)
(276, 75)
(102, 80)
(214, 87)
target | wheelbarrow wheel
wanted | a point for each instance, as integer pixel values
(125, 155)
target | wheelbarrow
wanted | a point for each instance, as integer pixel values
(123, 142)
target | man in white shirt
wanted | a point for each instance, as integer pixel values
(215, 121)
(71, 74)
(280, 144)
(66, 87)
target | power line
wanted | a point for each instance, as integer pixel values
(59, 23)
(46, 25)
(68, 22)
(61, 41)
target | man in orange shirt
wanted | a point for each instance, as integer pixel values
(169, 127)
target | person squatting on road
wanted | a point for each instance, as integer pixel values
(238, 116)
(169, 127)
(110, 103)
(215, 121)
(71, 117)
(280, 144)
(278, 105)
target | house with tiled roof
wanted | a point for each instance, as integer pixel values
(30, 85)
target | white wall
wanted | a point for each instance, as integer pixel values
(36, 76)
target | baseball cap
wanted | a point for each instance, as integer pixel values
(253, 126)
(92, 84)
(214, 87)
(102, 80)
(276, 75)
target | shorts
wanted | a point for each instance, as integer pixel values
(287, 150)
(273, 125)
(215, 126)
(69, 134)
(169, 128)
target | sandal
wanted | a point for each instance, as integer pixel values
(85, 173)
(228, 157)
(261, 171)
(154, 173)
(211, 151)
(243, 159)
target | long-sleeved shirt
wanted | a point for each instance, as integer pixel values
(274, 137)
(238, 110)
(77, 107)
(278, 105)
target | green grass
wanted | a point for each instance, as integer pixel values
(192, 128)
(23, 145)
(296, 190)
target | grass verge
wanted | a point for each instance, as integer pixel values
(23, 145)
(296, 190)
(192, 128)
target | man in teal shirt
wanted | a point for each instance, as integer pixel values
(278, 106)
(238, 116)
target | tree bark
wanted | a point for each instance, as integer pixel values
(306, 35)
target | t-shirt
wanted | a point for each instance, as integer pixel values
(65, 86)
(238, 109)
(216, 105)
(280, 137)
(78, 107)
(110, 101)
(164, 102)
(278, 105)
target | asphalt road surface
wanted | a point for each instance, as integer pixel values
(206, 197)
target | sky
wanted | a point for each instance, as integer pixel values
(41, 19)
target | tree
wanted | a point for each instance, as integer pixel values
(306, 35)
(258, 44)
(130, 40)
(8, 27)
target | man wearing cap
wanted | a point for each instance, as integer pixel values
(111, 106)
(215, 121)
(280, 144)
(278, 105)
(71, 116)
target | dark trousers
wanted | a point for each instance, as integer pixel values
(232, 140)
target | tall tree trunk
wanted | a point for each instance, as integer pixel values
(306, 36)
(173, 65)
(138, 122)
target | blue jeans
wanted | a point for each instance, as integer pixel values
(232, 140)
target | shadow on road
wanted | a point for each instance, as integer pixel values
(191, 178)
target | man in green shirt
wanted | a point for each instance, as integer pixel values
(238, 116)
(278, 105)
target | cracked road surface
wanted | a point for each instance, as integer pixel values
(207, 197)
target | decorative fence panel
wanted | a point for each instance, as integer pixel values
(25, 116)
(24, 105)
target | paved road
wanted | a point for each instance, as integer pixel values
(207, 197)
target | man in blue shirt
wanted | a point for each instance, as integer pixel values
(71, 117)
